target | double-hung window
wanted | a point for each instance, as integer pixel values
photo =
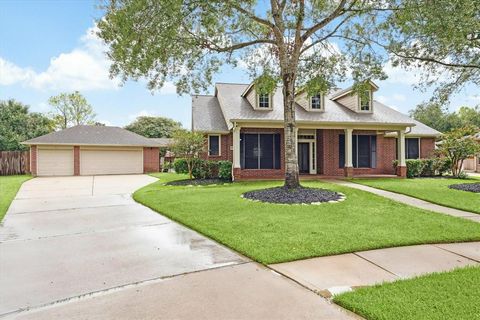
(366, 101)
(260, 151)
(316, 102)
(264, 101)
(213, 145)
(364, 151)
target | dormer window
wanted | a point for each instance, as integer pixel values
(264, 101)
(366, 101)
(316, 102)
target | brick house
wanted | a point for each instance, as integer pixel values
(338, 134)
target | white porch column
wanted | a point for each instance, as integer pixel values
(236, 147)
(348, 148)
(348, 169)
(296, 142)
(401, 148)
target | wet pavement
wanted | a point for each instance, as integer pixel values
(81, 248)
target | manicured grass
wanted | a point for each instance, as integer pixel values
(430, 189)
(9, 186)
(271, 233)
(449, 295)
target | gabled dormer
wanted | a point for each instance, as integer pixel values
(360, 103)
(314, 103)
(258, 101)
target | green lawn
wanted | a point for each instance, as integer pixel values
(430, 189)
(9, 186)
(449, 295)
(271, 233)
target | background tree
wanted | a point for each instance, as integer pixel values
(470, 116)
(71, 109)
(188, 145)
(433, 114)
(17, 124)
(457, 146)
(154, 127)
(438, 39)
(289, 42)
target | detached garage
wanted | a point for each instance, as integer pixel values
(92, 150)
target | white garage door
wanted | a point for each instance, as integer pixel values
(55, 162)
(111, 161)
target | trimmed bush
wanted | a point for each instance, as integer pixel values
(225, 170)
(425, 167)
(180, 166)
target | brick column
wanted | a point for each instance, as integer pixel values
(33, 160)
(76, 160)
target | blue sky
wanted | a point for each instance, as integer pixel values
(47, 47)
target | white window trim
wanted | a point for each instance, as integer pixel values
(322, 103)
(370, 110)
(270, 102)
(219, 145)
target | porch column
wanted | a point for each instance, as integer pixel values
(296, 142)
(348, 153)
(236, 147)
(402, 166)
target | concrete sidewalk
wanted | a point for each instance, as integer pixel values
(411, 201)
(334, 274)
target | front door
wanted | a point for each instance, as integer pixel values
(304, 157)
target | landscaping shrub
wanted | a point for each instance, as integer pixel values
(180, 166)
(225, 170)
(425, 167)
(205, 169)
(414, 168)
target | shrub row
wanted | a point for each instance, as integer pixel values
(426, 167)
(205, 169)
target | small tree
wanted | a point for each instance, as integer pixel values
(457, 146)
(71, 109)
(188, 145)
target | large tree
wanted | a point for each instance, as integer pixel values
(71, 109)
(291, 42)
(154, 127)
(17, 124)
(187, 41)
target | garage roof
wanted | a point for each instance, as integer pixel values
(94, 136)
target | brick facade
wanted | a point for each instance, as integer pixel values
(151, 159)
(427, 147)
(226, 142)
(76, 160)
(33, 160)
(327, 141)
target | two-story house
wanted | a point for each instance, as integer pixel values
(339, 134)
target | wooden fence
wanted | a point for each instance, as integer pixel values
(14, 162)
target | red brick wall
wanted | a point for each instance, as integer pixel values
(226, 141)
(76, 161)
(246, 174)
(151, 159)
(33, 160)
(427, 147)
(386, 154)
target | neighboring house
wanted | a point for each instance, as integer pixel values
(338, 133)
(92, 150)
(168, 156)
(473, 164)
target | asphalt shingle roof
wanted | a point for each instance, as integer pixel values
(162, 142)
(207, 115)
(94, 135)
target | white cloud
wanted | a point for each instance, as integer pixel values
(399, 75)
(84, 68)
(474, 98)
(399, 97)
(142, 113)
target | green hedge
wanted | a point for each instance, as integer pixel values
(206, 169)
(426, 167)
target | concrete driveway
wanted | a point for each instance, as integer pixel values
(81, 248)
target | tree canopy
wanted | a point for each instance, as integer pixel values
(154, 127)
(437, 116)
(295, 43)
(17, 124)
(71, 109)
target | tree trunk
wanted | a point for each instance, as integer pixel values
(291, 161)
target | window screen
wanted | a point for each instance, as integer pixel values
(260, 151)
(411, 148)
(364, 151)
(214, 145)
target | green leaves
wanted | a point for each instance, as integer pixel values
(71, 109)
(154, 127)
(265, 84)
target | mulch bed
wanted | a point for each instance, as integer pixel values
(471, 187)
(197, 182)
(300, 195)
